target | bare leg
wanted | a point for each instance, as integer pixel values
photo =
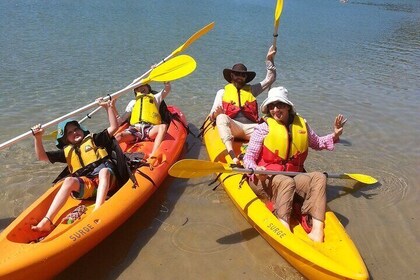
(317, 232)
(125, 136)
(70, 184)
(224, 123)
(103, 187)
(158, 133)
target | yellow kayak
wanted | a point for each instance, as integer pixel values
(25, 254)
(335, 258)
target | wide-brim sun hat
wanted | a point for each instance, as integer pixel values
(239, 68)
(276, 94)
(61, 131)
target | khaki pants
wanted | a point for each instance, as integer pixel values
(230, 129)
(280, 189)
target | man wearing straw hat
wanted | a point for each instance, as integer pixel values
(235, 107)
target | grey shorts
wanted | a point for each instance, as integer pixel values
(140, 131)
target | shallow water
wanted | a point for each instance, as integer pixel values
(361, 59)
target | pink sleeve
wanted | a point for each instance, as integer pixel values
(255, 145)
(320, 142)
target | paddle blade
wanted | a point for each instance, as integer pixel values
(193, 38)
(362, 178)
(191, 168)
(277, 13)
(173, 69)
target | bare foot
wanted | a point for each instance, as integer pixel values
(152, 160)
(45, 225)
(317, 232)
(236, 161)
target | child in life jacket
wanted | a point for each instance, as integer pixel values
(88, 158)
(145, 119)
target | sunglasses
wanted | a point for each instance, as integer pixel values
(239, 74)
(278, 105)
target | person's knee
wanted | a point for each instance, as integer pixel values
(222, 119)
(320, 178)
(118, 137)
(70, 183)
(162, 128)
(227, 138)
(122, 136)
(104, 173)
(284, 180)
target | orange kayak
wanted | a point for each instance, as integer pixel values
(335, 258)
(24, 255)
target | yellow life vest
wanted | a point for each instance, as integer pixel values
(285, 148)
(81, 156)
(233, 102)
(145, 110)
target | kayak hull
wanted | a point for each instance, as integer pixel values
(23, 257)
(335, 258)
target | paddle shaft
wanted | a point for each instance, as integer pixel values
(286, 173)
(133, 85)
(191, 168)
(25, 135)
(66, 116)
(181, 48)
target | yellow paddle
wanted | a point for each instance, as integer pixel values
(277, 13)
(191, 168)
(184, 46)
(181, 48)
(193, 38)
(173, 69)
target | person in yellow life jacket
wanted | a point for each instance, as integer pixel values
(281, 143)
(235, 108)
(88, 159)
(145, 119)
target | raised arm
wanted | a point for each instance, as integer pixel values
(166, 90)
(326, 142)
(270, 77)
(338, 127)
(38, 131)
(111, 112)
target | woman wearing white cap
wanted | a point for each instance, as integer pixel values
(281, 144)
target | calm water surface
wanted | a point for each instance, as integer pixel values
(361, 59)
